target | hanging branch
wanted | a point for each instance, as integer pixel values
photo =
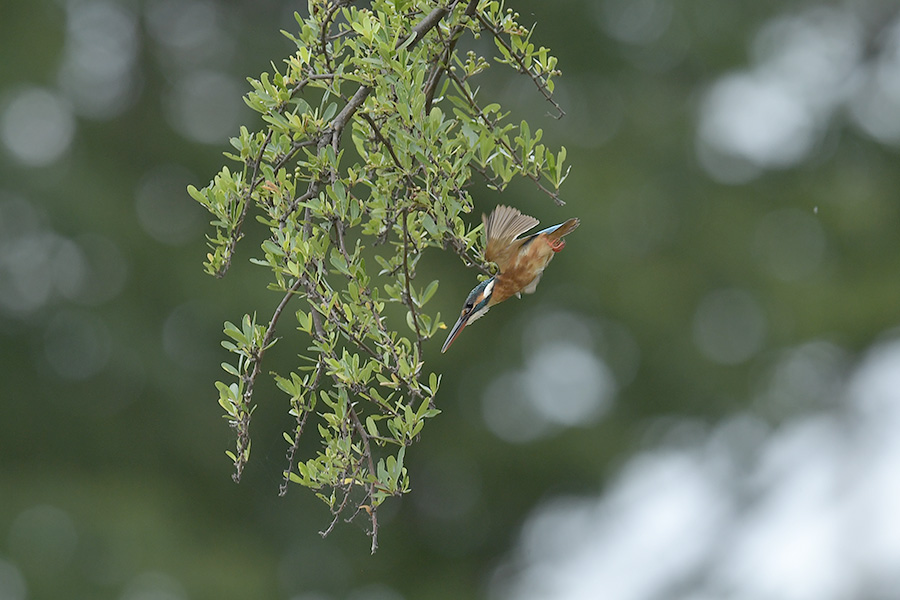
(359, 156)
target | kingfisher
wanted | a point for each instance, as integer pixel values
(520, 260)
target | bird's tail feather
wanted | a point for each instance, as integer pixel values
(563, 229)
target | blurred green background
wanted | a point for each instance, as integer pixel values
(701, 400)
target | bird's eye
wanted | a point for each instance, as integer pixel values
(469, 305)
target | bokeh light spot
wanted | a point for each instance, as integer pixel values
(28, 254)
(635, 21)
(812, 53)
(568, 385)
(205, 106)
(12, 584)
(190, 32)
(154, 585)
(582, 548)
(804, 510)
(37, 265)
(105, 271)
(509, 414)
(98, 68)
(775, 114)
(44, 539)
(36, 126)
(25, 271)
(757, 119)
(804, 378)
(563, 383)
(877, 102)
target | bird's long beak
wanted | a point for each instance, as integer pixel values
(457, 329)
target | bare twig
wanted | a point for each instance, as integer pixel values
(339, 233)
(337, 125)
(337, 513)
(291, 451)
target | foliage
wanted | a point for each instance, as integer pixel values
(390, 76)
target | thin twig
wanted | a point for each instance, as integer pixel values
(291, 451)
(311, 190)
(301, 422)
(339, 233)
(326, 24)
(512, 154)
(236, 232)
(337, 513)
(380, 137)
(410, 303)
(317, 298)
(250, 380)
(443, 61)
(367, 451)
(538, 81)
(423, 27)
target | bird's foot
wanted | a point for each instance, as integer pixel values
(557, 245)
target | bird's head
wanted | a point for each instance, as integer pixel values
(476, 306)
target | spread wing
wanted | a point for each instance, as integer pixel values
(501, 228)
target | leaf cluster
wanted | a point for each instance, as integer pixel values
(372, 133)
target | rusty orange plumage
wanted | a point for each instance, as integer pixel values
(520, 261)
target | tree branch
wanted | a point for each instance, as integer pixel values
(367, 451)
(424, 26)
(444, 61)
(405, 169)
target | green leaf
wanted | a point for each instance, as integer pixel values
(430, 289)
(330, 111)
(230, 369)
(372, 427)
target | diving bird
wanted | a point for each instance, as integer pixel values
(521, 261)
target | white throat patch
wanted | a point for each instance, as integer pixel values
(477, 315)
